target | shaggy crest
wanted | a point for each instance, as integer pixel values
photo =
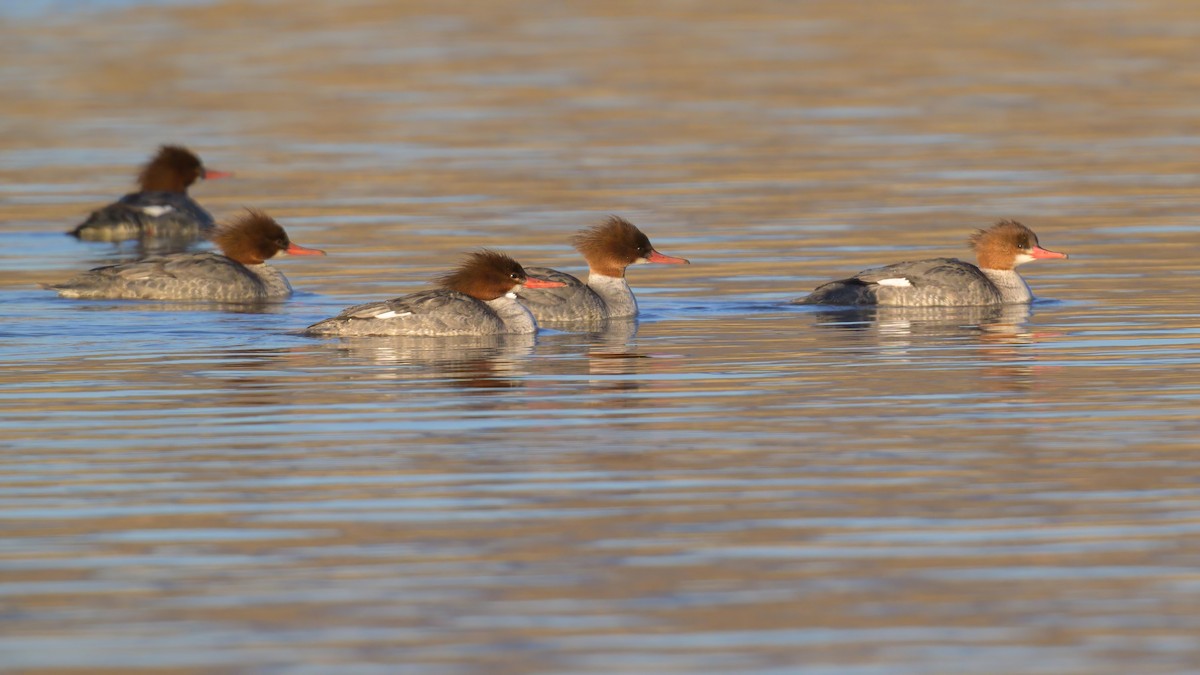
(251, 239)
(1009, 230)
(484, 275)
(173, 169)
(996, 246)
(612, 246)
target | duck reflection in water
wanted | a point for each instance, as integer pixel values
(120, 252)
(998, 331)
(607, 345)
(1002, 322)
(467, 361)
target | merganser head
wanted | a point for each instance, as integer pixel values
(1007, 244)
(615, 244)
(174, 169)
(254, 238)
(487, 275)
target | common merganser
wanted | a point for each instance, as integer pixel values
(609, 248)
(240, 275)
(946, 282)
(478, 298)
(162, 208)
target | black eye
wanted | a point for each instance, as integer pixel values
(514, 276)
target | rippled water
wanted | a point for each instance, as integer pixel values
(730, 484)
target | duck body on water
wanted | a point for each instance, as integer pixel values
(490, 293)
(946, 282)
(609, 249)
(239, 273)
(478, 298)
(161, 209)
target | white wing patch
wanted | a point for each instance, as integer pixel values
(391, 314)
(900, 282)
(156, 211)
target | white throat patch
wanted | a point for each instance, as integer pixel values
(156, 211)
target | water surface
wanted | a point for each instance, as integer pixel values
(729, 484)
